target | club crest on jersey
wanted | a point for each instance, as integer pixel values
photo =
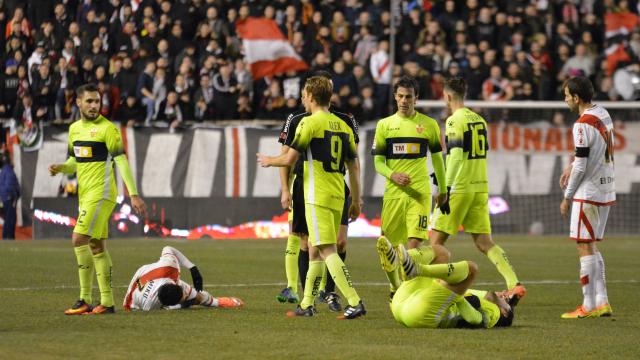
(93, 132)
(419, 128)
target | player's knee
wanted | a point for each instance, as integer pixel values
(96, 247)
(442, 255)
(483, 242)
(473, 268)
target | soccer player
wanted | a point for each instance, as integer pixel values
(94, 146)
(400, 153)
(158, 285)
(467, 184)
(292, 199)
(328, 144)
(589, 186)
(438, 295)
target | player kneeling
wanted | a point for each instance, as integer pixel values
(158, 285)
(438, 296)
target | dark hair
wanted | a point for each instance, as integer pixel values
(86, 88)
(505, 321)
(580, 86)
(456, 85)
(407, 82)
(169, 294)
(320, 89)
(323, 73)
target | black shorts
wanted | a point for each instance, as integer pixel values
(299, 222)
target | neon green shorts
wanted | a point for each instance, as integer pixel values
(323, 224)
(405, 218)
(471, 210)
(422, 302)
(93, 218)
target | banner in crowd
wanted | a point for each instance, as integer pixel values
(217, 166)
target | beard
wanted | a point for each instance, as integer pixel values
(85, 115)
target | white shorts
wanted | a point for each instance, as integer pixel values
(588, 221)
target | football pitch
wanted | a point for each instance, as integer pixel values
(39, 280)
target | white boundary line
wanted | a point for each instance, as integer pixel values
(213, 286)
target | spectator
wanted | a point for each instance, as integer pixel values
(380, 66)
(9, 88)
(170, 110)
(43, 89)
(578, 65)
(272, 105)
(144, 91)
(9, 194)
(203, 99)
(131, 112)
(225, 86)
(366, 45)
(496, 88)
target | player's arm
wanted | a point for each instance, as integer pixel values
(455, 145)
(186, 263)
(69, 167)
(301, 140)
(115, 147)
(133, 284)
(435, 147)
(578, 168)
(354, 181)
(285, 171)
(379, 152)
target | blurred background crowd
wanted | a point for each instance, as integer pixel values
(162, 61)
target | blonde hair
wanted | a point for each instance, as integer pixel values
(319, 89)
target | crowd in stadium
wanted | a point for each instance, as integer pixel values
(182, 60)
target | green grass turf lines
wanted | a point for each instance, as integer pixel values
(38, 281)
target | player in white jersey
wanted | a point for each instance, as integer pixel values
(158, 285)
(589, 186)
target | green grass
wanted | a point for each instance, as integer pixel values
(38, 281)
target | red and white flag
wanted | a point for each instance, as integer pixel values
(266, 49)
(620, 24)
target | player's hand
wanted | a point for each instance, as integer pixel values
(263, 160)
(400, 179)
(442, 202)
(197, 278)
(354, 210)
(285, 200)
(139, 206)
(564, 208)
(54, 169)
(564, 178)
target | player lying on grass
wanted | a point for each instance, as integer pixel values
(438, 295)
(158, 285)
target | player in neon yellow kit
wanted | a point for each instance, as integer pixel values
(329, 145)
(467, 181)
(401, 144)
(94, 146)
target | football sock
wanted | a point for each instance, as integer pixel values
(103, 273)
(499, 258)
(394, 279)
(587, 275)
(85, 271)
(312, 283)
(601, 282)
(291, 261)
(323, 282)
(452, 273)
(341, 277)
(420, 255)
(330, 286)
(303, 266)
(468, 313)
(208, 300)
